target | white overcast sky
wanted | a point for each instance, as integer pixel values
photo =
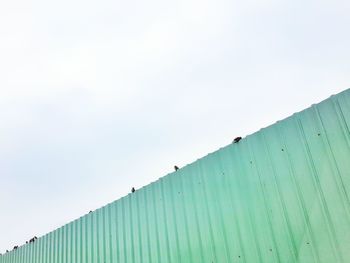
(100, 96)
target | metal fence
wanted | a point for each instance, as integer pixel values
(278, 195)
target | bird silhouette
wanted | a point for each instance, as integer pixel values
(176, 168)
(133, 190)
(237, 139)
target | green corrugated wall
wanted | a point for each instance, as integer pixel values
(279, 195)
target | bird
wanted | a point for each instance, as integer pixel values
(15, 247)
(90, 211)
(7, 251)
(176, 168)
(26, 242)
(133, 190)
(237, 139)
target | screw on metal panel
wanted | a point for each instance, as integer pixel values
(251, 162)
(270, 249)
(318, 134)
(239, 256)
(307, 243)
(282, 150)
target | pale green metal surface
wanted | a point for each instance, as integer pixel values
(279, 195)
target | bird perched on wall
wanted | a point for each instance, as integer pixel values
(15, 247)
(176, 168)
(7, 251)
(237, 139)
(133, 190)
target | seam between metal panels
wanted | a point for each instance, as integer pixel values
(207, 211)
(299, 196)
(333, 239)
(175, 218)
(235, 211)
(341, 188)
(281, 197)
(251, 224)
(263, 193)
(339, 110)
(219, 207)
(346, 133)
(190, 247)
(195, 215)
(165, 215)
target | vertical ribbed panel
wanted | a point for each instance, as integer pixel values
(279, 195)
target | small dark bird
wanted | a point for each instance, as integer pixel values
(90, 211)
(133, 190)
(15, 247)
(35, 238)
(7, 251)
(237, 139)
(176, 168)
(26, 242)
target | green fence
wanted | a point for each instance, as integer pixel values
(279, 195)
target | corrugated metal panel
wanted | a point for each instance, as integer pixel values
(279, 195)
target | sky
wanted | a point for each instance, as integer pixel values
(97, 97)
